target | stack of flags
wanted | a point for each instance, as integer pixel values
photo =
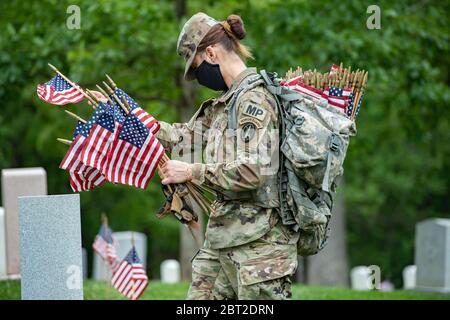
(340, 87)
(128, 275)
(116, 144)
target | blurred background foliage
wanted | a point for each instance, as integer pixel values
(397, 168)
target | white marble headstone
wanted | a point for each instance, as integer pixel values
(409, 277)
(432, 256)
(170, 271)
(15, 183)
(50, 247)
(2, 243)
(124, 244)
(359, 278)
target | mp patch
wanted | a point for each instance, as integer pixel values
(254, 111)
(248, 131)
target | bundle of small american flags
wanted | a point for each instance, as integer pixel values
(340, 88)
(128, 275)
(116, 144)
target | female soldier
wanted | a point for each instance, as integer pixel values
(248, 253)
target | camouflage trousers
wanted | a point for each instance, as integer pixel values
(260, 269)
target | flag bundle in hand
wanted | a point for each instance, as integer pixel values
(116, 144)
(59, 91)
(134, 155)
(129, 277)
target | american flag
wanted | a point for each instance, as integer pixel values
(98, 142)
(307, 90)
(334, 68)
(350, 106)
(129, 277)
(119, 117)
(105, 246)
(58, 91)
(338, 97)
(82, 177)
(134, 154)
(145, 118)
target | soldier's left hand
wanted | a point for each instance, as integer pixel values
(175, 171)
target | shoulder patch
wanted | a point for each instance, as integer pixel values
(248, 131)
(246, 119)
(255, 111)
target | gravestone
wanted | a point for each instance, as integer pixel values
(123, 240)
(359, 278)
(170, 271)
(16, 183)
(432, 256)
(409, 277)
(85, 262)
(329, 267)
(50, 247)
(2, 243)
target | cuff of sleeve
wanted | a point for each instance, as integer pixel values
(198, 173)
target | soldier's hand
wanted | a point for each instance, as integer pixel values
(99, 96)
(175, 171)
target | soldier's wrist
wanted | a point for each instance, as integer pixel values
(189, 172)
(198, 173)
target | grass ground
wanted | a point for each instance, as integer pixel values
(159, 291)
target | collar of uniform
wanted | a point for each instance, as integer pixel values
(236, 82)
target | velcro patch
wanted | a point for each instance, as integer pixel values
(255, 111)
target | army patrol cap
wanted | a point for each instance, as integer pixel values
(193, 32)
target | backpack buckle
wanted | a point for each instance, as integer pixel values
(335, 142)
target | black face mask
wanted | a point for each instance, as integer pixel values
(209, 75)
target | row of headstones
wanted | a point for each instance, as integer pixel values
(431, 271)
(369, 278)
(43, 242)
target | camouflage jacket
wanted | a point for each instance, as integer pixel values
(232, 163)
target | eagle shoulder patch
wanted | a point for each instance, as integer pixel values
(248, 131)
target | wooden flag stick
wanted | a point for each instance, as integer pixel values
(362, 84)
(125, 102)
(115, 97)
(355, 105)
(70, 82)
(111, 81)
(73, 115)
(196, 239)
(64, 141)
(104, 219)
(93, 96)
(105, 94)
(349, 73)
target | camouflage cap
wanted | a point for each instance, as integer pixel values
(190, 37)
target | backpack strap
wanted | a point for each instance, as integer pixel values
(279, 91)
(248, 84)
(334, 146)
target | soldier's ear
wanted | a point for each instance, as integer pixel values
(211, 54)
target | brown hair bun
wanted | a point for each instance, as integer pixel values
(237, 26)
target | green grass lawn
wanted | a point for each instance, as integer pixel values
(159, 291)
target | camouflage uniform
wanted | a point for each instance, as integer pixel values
(248, 253)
